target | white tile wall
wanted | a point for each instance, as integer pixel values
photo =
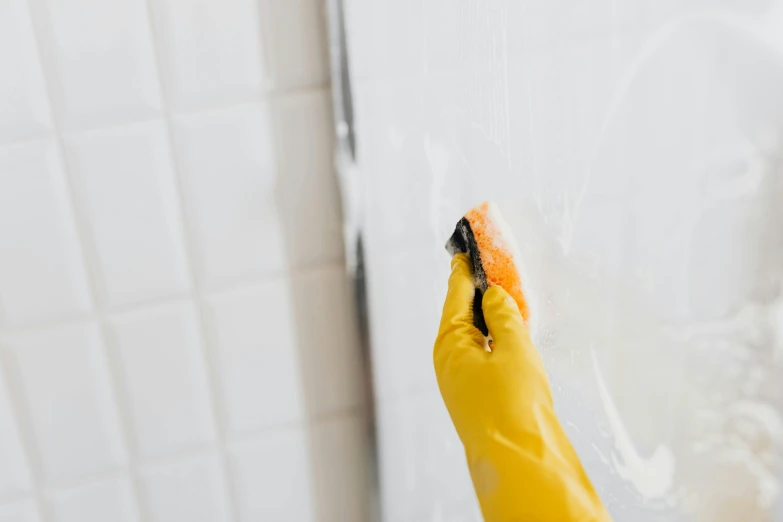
(63, 374)
(306, 194)
(176, 335)
(23, 101)
(19, 511)
(112, 499)
(341, 476)
(297, 58)
(100, 58)
(37, 226)
(189, 489)
(15, 477)
(204, 61)
(256, 343)
(165, 376)
(125, 179)
(324, 310)
(273, 478)
(229, 181)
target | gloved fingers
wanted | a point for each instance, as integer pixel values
(456, 324)
(459, 298)
(504, 321)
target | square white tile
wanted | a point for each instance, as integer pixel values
(66, 385)
(124, 179)
(192, 490)
(308, 197)
(165, 378)
(15, 475)
(19, 511)
(272, 478)
(211, 52)
(342, 469)
(110, 500)
(103, 60)
(229, 183)
(36, 227)
(257, 352)
(328, 344)
(297, 57)
(23, 103)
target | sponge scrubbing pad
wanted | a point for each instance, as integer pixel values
(486, 237)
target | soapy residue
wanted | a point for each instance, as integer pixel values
(761, 422)
(502, 234)
(653, 476)
(745, 430)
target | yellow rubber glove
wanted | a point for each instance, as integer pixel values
(522, 465)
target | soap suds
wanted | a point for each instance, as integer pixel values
(505, 236)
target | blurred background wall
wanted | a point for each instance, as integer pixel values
(176, 333)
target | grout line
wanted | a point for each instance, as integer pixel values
(299, 90)
(9, 331)
(89, 257)
(264, 97)
(249, 437)
(122, 404)
(36, 464)
(240, 440)
(138, 306)
(117, 472)
(264, 41)
(16, 497)
(207, 346)
(174, 297)
(27, 437)
(26, 140)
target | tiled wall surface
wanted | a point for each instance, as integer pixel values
(176, 337)
(632, 146)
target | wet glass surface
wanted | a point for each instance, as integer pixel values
(636, 152)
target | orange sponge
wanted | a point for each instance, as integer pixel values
(487, 238)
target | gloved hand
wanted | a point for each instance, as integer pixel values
(522, 465)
